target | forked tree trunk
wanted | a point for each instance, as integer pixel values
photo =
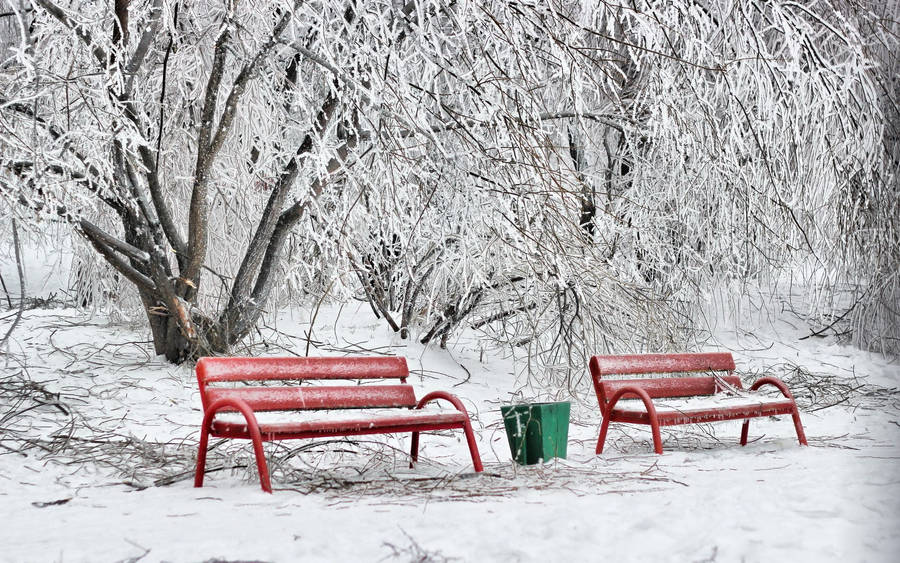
(168, 341)
(169, 338)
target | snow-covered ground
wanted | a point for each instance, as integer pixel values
(124, 425)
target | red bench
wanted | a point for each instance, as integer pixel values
(665, 401)
(241, 404)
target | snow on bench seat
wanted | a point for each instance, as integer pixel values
(282, 424)
(710, 408)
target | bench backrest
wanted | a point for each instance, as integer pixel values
(212, 371)
(662, 387)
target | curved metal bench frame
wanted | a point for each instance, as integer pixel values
(611, 391)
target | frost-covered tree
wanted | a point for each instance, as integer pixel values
(706, 141)
(873, 248)
(564, 175)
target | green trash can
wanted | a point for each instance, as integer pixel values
(536, 431)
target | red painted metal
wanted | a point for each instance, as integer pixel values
(631, 364)
(716, 414)
(211, 370)
(316, 398)
(253, 434)
(669, 387)
(651, 415)
(795, 414)
(252, 399)
(610, 391)
(467, 428)
(343, 427)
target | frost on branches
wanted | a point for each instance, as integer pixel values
(567, 177)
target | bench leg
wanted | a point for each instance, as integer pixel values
(657, 439)
(604, 426)
(261, 465)
(651, 415)
(654, 428)
(470, 440)
(255, 437)
(201, 457)
(798, 426)
(801, 435)
(795, 414)
(745, 430)
(414, 450)
(473, 447)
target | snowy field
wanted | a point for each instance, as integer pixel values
(123, 428)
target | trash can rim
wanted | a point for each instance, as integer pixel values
(535, 404)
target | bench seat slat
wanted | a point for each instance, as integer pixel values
(633, 364)
(249, 369)
(314, 398)
(703, 409)
(667, 387)
(413, 420)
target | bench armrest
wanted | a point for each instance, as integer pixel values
(252, 428)
(632, 390)
(769, 380)
(434, 395)
(235, 403)
(651, 415)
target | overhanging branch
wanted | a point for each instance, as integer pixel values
(89, 231)
(111, 241)
(82, 33)
(150, 32)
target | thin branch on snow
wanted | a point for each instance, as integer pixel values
(20, 270)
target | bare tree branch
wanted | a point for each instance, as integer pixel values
(96, 233)
(58, 135)
(248, 71)
(19, 167)
(114, 259)
(147, 38)
(198, 212)
(162, 209)
(255, 252)
(82, 33)
(209, 145)
(19, 268)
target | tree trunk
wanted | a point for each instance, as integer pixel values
(169, 339)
